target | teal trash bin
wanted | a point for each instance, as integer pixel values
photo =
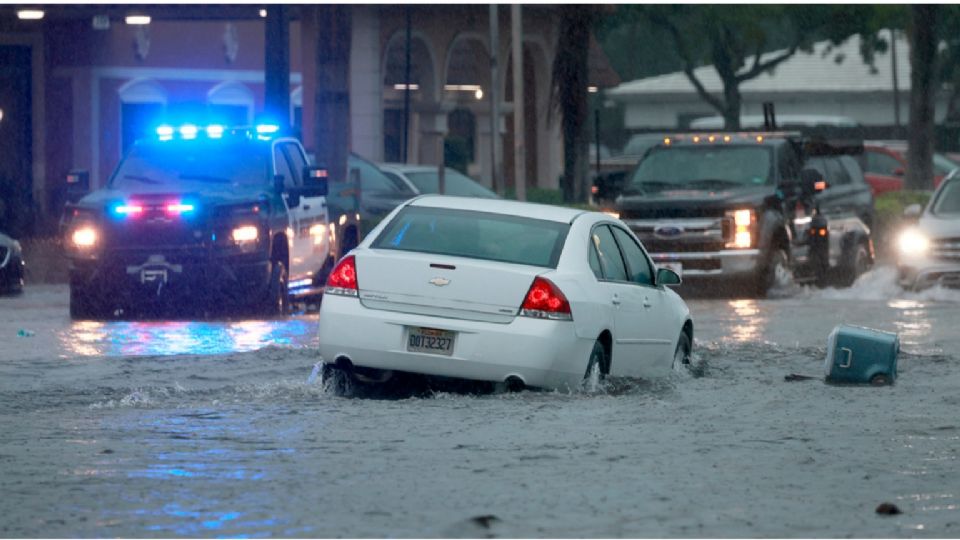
(857, 355)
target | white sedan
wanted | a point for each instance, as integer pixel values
(501, 291)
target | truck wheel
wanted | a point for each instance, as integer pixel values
(277, 301)
(776, 272)
(857, 265)
(83, 304)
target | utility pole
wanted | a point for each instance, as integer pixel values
(406, 87)
(494, 93)
(519, 146)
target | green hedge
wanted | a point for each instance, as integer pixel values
(546, 196)
(888, 217)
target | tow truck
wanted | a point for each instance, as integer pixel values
(754, 208)
(227, 218)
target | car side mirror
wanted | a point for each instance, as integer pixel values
(666, 276)
(899, 171)
(78, 184)
(315, 182)
(913, 211)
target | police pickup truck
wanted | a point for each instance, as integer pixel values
(228, 218)
(758, 208)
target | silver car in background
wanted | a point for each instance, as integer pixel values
(425, 180)
(929, 252)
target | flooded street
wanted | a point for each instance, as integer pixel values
(211, 429)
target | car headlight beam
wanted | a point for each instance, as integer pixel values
(913, 243)
(84, 237)
(244, 234)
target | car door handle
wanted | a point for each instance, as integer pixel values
(646, 302)
(615, 300)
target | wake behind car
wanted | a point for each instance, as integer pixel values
(757, 208)
(11, 265)
(503, 292)
(226, 218)
(929, 252)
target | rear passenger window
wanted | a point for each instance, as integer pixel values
(837, 174)
(853, 169)
(611, 262)
(637, 263)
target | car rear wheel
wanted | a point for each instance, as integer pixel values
(336, 380)
(595, 374)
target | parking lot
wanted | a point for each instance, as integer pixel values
(211, 428)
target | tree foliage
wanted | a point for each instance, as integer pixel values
(569, 95)
(739, 40)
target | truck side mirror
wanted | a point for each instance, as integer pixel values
(912, 212)
(315, 181)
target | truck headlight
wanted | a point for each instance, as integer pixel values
(84, 237)
(245, 234)
(743, 222)
(913, 243)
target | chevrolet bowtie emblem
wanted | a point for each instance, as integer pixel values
(439, 281)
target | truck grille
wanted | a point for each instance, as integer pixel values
(947, 249)
(682, 235)
(155, 234)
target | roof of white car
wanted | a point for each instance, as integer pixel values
(500, 206)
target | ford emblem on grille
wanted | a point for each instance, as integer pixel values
(439, 281)
(668, 230)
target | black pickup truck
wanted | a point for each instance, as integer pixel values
(753, 208)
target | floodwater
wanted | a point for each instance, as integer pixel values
(211, 429)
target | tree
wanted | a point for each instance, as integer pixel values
(332, 113)
(737, 39)
(923, 34)
(569, 96)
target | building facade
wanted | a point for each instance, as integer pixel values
(89, 84)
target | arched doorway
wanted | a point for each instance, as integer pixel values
(466, 84)
(399, 121)
(143, 103)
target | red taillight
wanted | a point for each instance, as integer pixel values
(545, 301)
(343, 279)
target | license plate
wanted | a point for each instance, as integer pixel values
(675, 266)
(430, 340)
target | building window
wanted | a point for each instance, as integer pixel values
(142, 106)
(230, 103)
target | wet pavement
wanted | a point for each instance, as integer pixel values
(210, 428)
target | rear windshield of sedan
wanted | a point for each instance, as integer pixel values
(475, 235)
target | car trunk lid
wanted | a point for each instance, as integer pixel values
(442, 285)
